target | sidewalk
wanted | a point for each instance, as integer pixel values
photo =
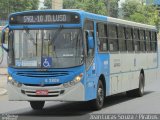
(3, 71)
(3, 81)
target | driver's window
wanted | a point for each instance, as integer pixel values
(89, 26)
(10, 47)
(6, 36)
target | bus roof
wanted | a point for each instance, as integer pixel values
(116, 20)
(97, 17)
(130, 23)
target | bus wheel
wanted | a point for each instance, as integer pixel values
(140, 91)
(97, 103)
(37, 105)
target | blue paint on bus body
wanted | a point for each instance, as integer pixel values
(100, 65)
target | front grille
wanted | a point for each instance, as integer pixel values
(51, 93)
(42, 95)
(39, 85)
(42, 74)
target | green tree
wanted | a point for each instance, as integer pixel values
(47, 4)
(138, 12)
(137, 17)
(112, 7)
(69, 4)
(93, 6)
(10, 6)
(130, 7)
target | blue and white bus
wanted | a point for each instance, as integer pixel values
(73, 55)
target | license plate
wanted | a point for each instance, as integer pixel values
(41, 92)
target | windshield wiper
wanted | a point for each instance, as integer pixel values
(36, 44)
(56, 35)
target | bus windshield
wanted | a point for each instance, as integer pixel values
(50, 48)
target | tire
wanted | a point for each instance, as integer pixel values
(97, 103)
(140, 90)
(37, 105)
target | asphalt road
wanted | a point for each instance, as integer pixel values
(117, 104)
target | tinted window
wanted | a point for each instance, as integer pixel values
(102, 36)
(121, 39)
(112, 32)
(136, 40)
(129, 39)
(153, 41)
(148, 39)
(89, 25)
(113, 41)
(142, 40)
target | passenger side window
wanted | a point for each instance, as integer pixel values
(142, 41)
(148, 40)
(102, 37)
(136, 39)
(153, 41)
(121, 39)
(129, 39)
(112, 38)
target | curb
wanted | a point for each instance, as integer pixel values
(4, 74)
(3, 91)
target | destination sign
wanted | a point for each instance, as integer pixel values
(44, 18)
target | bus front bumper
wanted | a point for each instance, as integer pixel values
(55, 93)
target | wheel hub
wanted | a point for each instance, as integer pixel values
(100, 96)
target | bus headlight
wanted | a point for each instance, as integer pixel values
(9, 78)
(13, 82)
(76, 80)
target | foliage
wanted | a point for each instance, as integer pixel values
(47, 4)
(93, 6)
(69, 4)
(112, 7)
(133, 10)
(137, 17)
(136, 11)
(130, 7)
(10, 6)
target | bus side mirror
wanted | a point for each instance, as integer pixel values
(3, 38)
(90, 40)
